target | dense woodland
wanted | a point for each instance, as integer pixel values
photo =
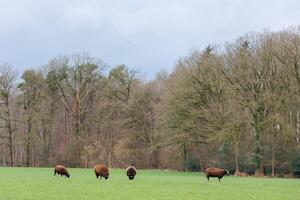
(235, 105)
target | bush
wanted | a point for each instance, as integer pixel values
(192, 164)
(249, 169)
(296, 165)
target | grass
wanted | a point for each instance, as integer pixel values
(40, 184)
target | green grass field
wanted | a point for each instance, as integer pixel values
(39, 183)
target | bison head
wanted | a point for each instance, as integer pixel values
(131, 177)
(106, 176)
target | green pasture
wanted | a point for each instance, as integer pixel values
(40, 184)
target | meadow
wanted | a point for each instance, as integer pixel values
(40, 184)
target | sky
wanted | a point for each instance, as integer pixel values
(146, 35)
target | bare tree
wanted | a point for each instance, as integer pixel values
(7, 90)
(31, 98)
(75, 81)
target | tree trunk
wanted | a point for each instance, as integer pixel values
(45, 144)
(273, 159)
(257, 123)
(200, 158)
(28, 144)
(184, 156)
(110, 155)
(273, 152)
(298, 126)
(10, 134)
(34, 156)
(236, 148)
(155, 159)
(77, 126)
(4, 155)
(64, 147)
(10, 146)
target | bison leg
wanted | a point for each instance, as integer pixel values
(54, 172)
(207, 178)
(219, 178)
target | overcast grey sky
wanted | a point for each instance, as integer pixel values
(146, 35)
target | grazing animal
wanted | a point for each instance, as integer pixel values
(61, 170)
(131, 172)
(215, 172)
(102, 171)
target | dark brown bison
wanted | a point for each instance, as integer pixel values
(131, 172)
(61, 170)
(215, 172)
(102, 171)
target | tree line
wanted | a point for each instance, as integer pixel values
(235, 106)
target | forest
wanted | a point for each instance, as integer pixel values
(234, 105)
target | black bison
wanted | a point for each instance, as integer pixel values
(102, 171)
(215, 172)
(61, 170)
(131, 172)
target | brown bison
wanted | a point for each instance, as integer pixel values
(131, 172)
(61, 170)
(215, 172)
(102, 171)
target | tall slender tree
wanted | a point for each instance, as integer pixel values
(7, 91)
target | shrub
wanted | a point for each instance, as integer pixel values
(296, 165)
(192, 164)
